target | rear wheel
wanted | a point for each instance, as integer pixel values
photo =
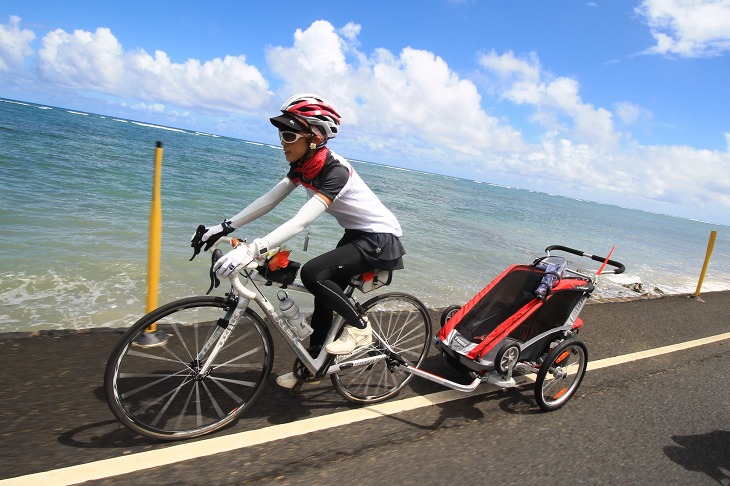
(154, 386)
(400, 322)
(560, 374)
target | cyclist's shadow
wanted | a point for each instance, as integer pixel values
(280, 406)
(706, 453)
(276, 406)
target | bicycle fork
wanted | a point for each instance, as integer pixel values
(224, 329)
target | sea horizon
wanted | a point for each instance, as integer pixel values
(82, 182)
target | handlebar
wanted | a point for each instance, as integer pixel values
(619, 267)
(216, 253)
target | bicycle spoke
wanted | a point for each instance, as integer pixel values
(140, 354)
(399, 333)
(553, 383)
(236, 358)
(144, 375)
(182, 340)
(172, 353)
(401, 338)
(213, 401)
(162, 411)
(148, 385)
(220, 385)
(181, 415)
(199, 413)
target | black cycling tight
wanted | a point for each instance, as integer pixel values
(325, 277)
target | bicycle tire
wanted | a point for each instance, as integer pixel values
(404, 323)
(156, 390)
(561, 374)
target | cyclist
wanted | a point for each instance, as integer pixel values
(372, 233)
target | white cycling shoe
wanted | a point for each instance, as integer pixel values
(286, 381)
(289, 380)
(351, 339)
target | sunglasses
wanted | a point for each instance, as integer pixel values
(291, 137)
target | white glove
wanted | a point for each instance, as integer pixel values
(242, 255)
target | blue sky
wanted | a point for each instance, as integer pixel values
(624, 102)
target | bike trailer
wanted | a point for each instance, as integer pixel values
(508, 311)
(524, 322)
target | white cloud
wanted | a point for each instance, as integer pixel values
(315, 60)
(583, 152)
(351, 31)
(393, 100)
(688, 28)
(684, 175)
(557, 103)
(417, 95)
(508, 67)
(82, 59)
(14, 44)
(97, 62)
(154, 107)
(630, 113)
(227, 84)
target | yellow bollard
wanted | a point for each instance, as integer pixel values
(708, 254)
(151, 337)
(153, 255)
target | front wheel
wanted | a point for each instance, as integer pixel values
(560, 374)
(154, 386)
(400, 322)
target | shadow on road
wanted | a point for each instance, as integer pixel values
(705, 453)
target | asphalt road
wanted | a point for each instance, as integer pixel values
(659, 420)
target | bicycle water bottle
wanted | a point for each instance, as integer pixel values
(554, 268)
(290, 310)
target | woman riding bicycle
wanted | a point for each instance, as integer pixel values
(372, 232)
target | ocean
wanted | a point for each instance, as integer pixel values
(75, 205)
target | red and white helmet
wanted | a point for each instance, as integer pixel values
(315, 110)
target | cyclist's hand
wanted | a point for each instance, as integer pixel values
(242, 255)
(209, 236)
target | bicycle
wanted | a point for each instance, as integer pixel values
(215, 354)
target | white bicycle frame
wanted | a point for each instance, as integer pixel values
(250, 292)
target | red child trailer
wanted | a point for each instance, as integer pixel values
(525, 321)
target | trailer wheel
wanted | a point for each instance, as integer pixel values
(560, 374)
(448, 313)
(507, 355)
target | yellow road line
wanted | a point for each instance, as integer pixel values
(186, 451)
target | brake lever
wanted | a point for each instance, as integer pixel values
(197, 242)
(214, 281)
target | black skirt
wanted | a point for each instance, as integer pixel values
(382, 251)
